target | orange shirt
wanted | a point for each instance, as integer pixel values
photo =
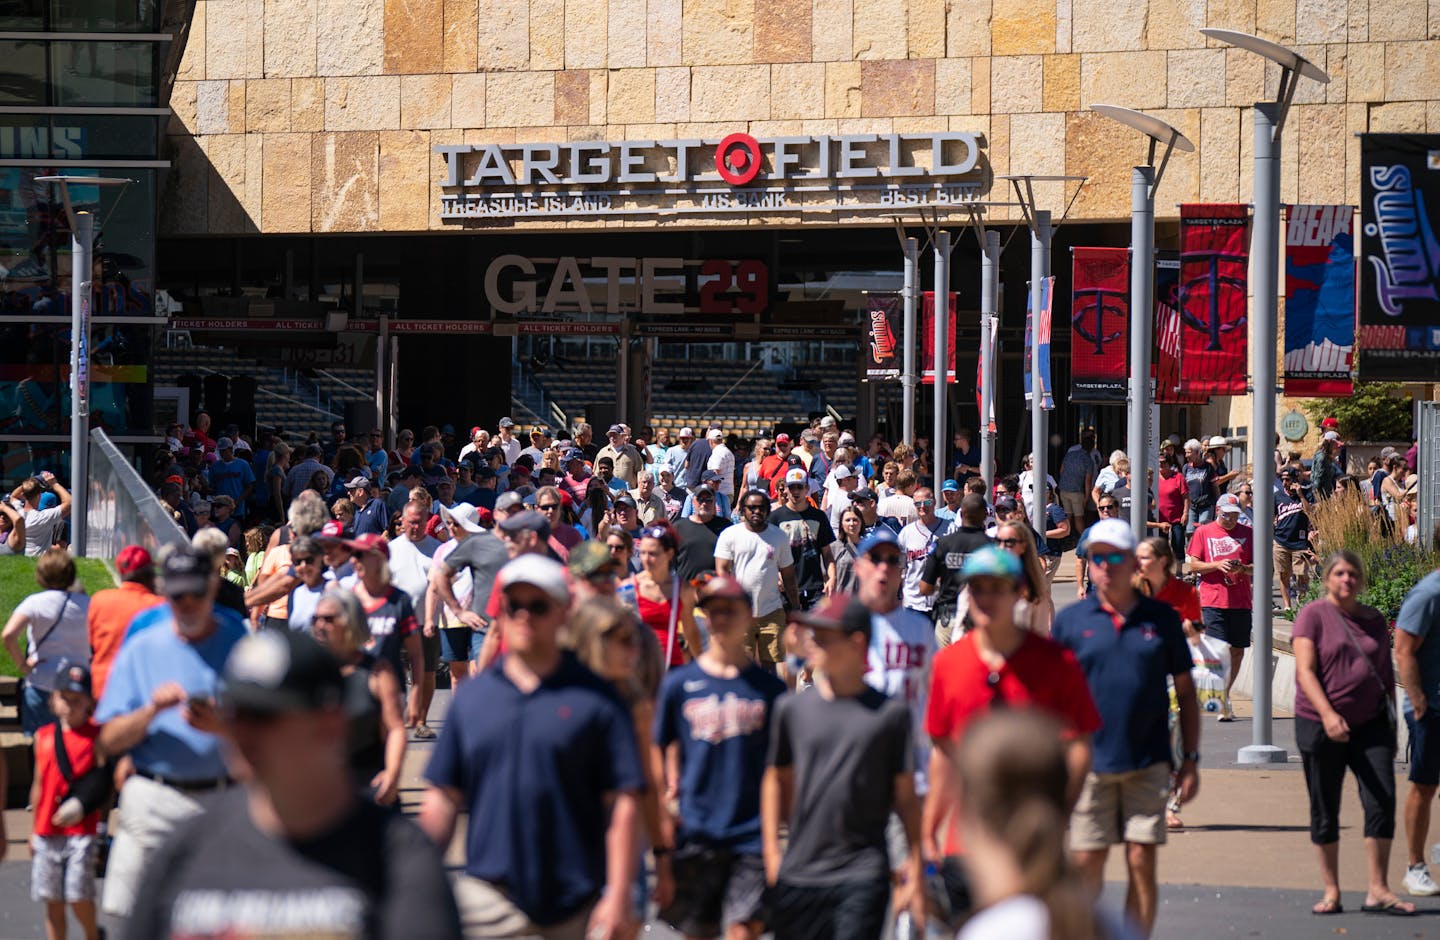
(110, 614)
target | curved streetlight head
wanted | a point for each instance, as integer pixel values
(65, 182)
(1280, 55)
(1152, 127)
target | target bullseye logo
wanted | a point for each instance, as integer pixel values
(737, 159)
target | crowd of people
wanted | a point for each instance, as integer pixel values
(799, 685)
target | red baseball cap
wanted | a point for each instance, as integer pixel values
(369, 542)
(782, 438)
(175, 478)
(1329, 423)
(333, 529)
(484, 516)
(132, 558)
(433, 525)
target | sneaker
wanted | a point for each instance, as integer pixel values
(1418, 882)
(1226, 713)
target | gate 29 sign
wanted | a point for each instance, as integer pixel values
(736, 174)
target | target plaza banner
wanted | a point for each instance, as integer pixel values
(1399, 333)
(1319, 301)
(1099, 325)
(1214, 263)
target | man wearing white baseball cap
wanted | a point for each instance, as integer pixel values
(1223, 554)
(722, 461)
(555, 855)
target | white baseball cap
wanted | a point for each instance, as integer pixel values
(715, 434)
(1229, 503)
(827, 422)
(1111, 532)
(843, 472)
(687, 432)
(795, 475)
(537, 571)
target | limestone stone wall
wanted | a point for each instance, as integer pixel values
(321, 115)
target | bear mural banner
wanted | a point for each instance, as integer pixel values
(1319, 301)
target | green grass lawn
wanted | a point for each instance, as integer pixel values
(17, 581)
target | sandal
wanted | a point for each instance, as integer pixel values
(1328, 906)
(424, 733)
(1394, 907)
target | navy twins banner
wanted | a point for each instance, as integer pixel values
(1400, 272)
(1099, 321)
(1319, 301)
(884, 355)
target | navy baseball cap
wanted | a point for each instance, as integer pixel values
(880, 535)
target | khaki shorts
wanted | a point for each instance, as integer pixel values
(1115, 808)
(1074, 503)
(1293, 561)
(766, 641)
(486, 911)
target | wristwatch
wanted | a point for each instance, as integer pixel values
(1192, 756)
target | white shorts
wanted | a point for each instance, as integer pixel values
(62, 868)
(149, 813)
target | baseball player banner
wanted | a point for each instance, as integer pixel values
(927, 339)
(1399, 335)
(884, 355)
(1214, 263)
(1099, 330)
(1319, 301)
(1042, 339)
(1166, 367)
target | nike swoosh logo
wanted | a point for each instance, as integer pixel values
(695, 685)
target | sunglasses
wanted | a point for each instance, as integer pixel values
(704, 499)
(1247, 492)
(1108, 559)
(547, 507)
(885, 561)
(535, 608)
(756, 507)
(185, 595)
(1108, 507)
(924, 502)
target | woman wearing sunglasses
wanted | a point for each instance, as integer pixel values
(663, 602)
(376, 728)
(1034, 611)
(308, 563)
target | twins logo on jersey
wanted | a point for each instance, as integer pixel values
(715, 718)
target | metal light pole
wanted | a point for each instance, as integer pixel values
(1264, 319)
(82, 265)
(940, 444)
(1039, 270)
(908, 377)
(1144, 181)
(989, 298)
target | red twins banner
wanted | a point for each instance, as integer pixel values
(1214, 262)
(884, 355)
(1099, 325)
(927, 340)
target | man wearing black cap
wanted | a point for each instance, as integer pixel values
(178, 766)
(840, 760)
(1294, 554)
(371, 516)
(696, 535)
(294, 851)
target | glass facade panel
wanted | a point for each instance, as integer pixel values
(79, 136)
(35, 376)
(80, 73)
(35, 243)
(87, 16)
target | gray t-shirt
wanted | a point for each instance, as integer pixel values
(846, 753)
(483, 554)
(1419, 614)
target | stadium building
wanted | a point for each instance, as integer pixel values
(664, 211)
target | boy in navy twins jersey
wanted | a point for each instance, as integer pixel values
(713, 719)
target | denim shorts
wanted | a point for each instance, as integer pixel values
(459, 644)
(1424, 747)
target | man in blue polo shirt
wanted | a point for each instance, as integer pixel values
(1128, 645)
(159, 705)
(371, 514)
(541, 753)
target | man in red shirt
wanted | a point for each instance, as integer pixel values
(1223, 554)
(996, 664)
(112, 609)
